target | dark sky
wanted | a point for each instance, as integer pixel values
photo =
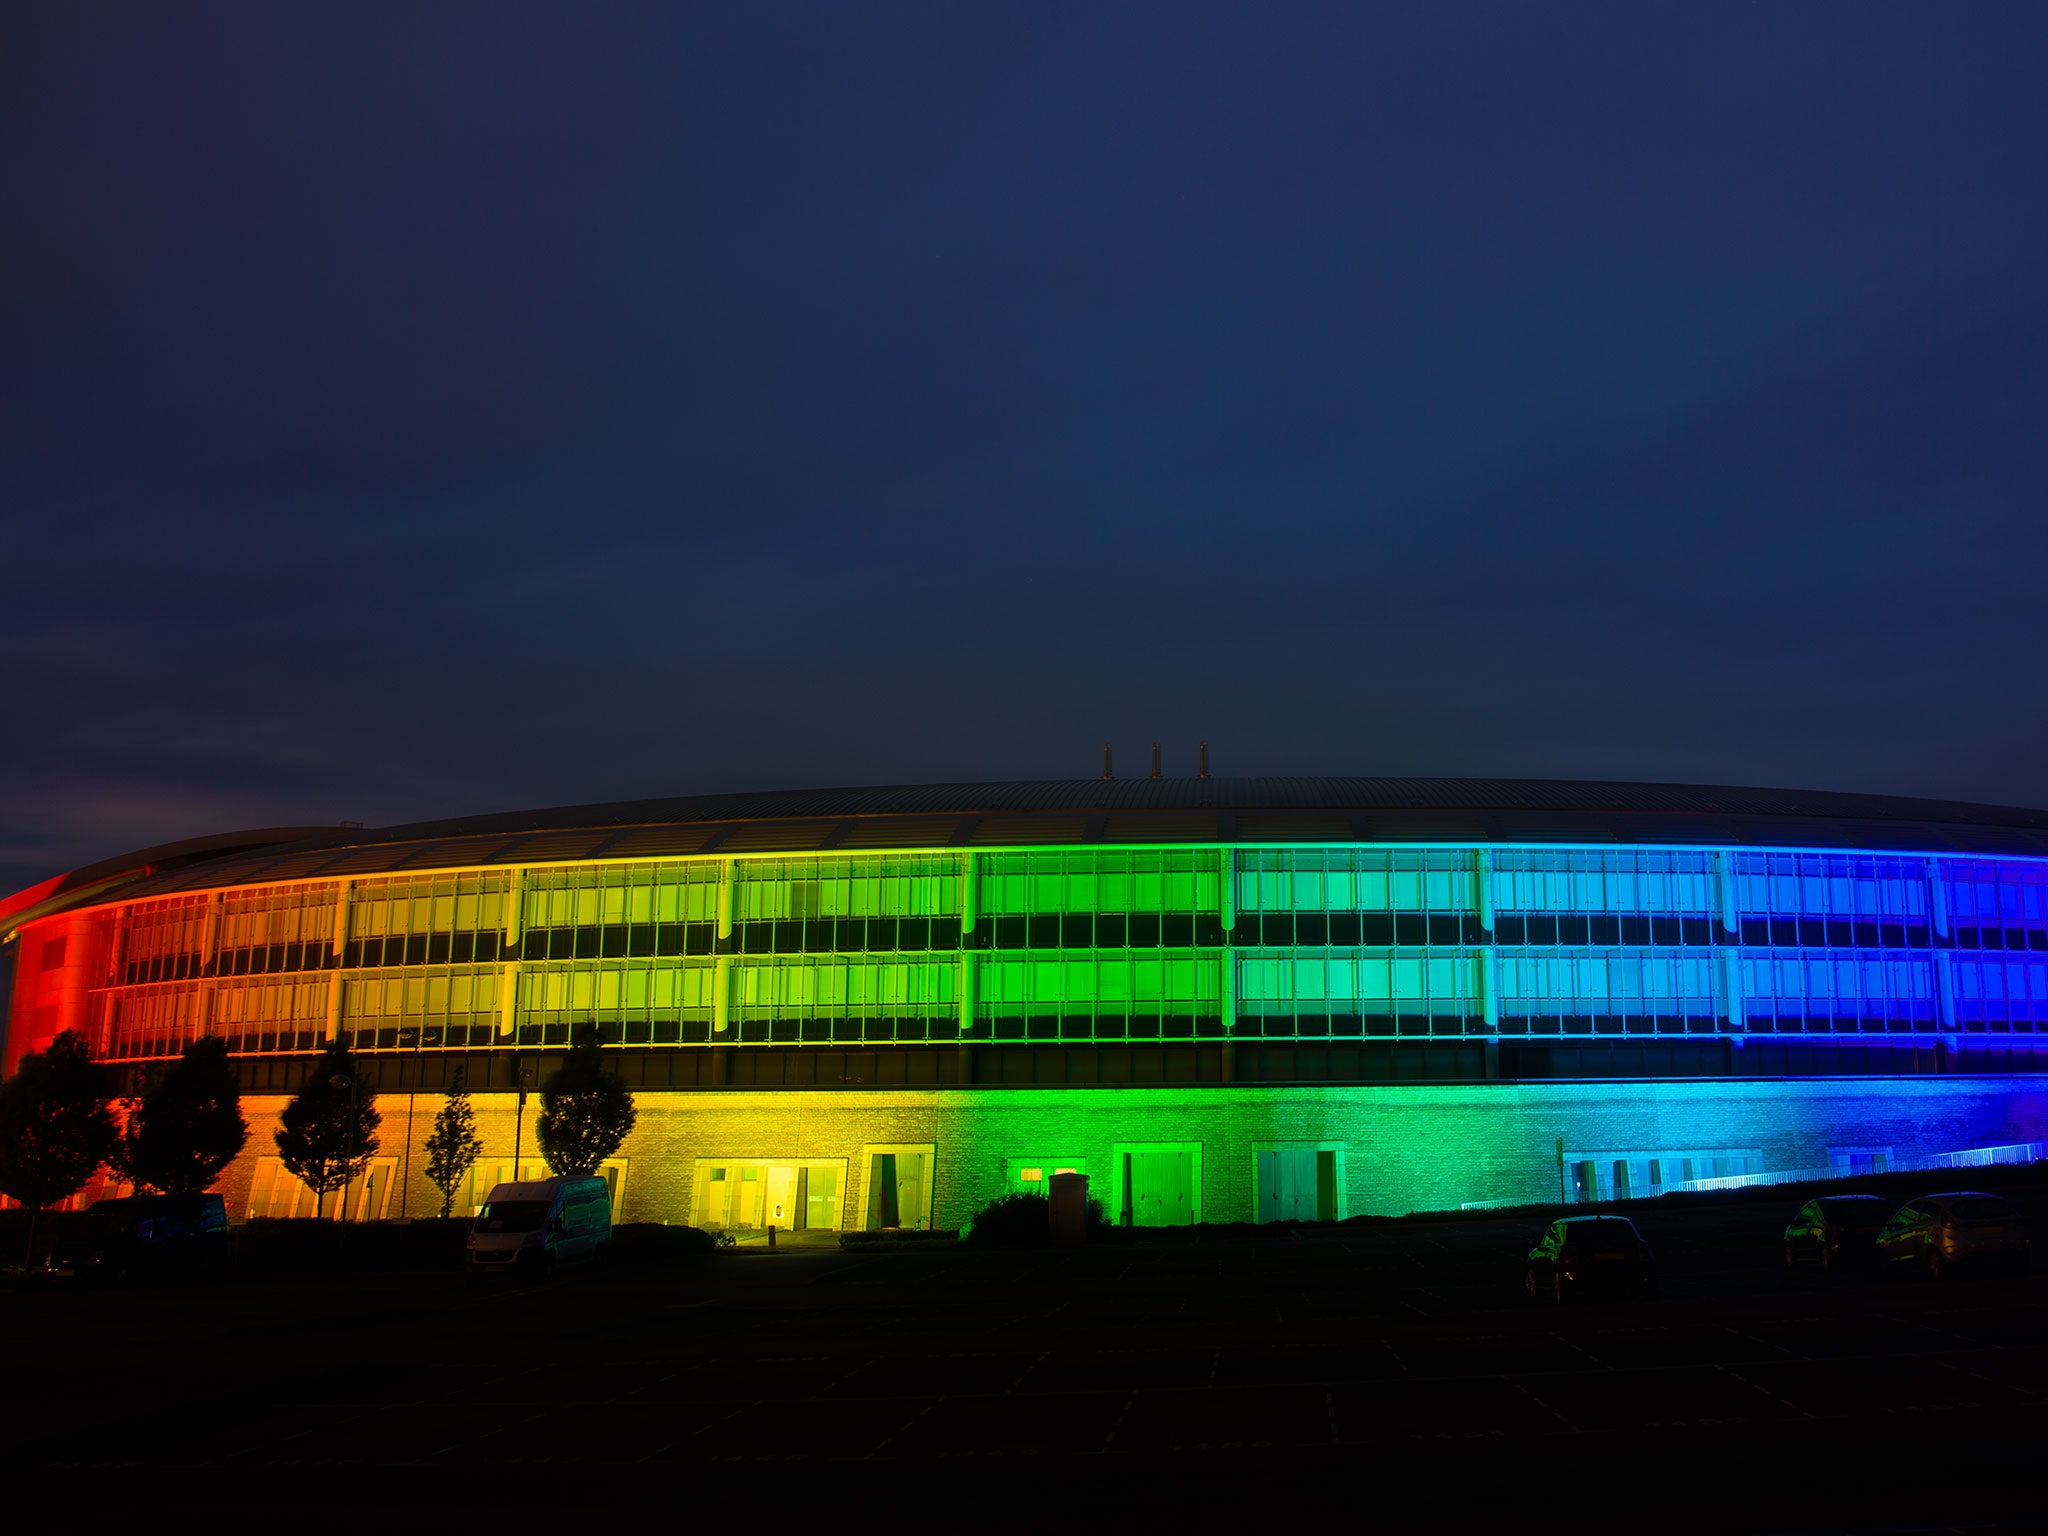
(466, 408)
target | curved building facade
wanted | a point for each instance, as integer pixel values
(1223, 999)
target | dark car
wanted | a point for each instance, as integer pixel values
(145, 1236)
(1577, 1254)
(1941, 1233)
(1836, 1231)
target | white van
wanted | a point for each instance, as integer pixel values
(540, 1226)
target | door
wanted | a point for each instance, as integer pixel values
(821, 1199)
(779, 1202)
(895, 1189)
(1290, 1188)
(1160, 1186)
(717, 1188)
(750, 1203)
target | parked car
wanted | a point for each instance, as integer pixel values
(1588, 1253)
(1940, 1233)
(1836, 1231)
(145, 1237)
(540, 1226)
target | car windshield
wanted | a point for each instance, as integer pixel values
(1602, 1233)
(512, 1216)
(1983, 1208)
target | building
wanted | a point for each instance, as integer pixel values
(1222, 999)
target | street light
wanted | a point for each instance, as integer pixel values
(519, 1119)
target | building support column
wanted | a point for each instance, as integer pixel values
(970, 895)
(1482, 887)
(1725, 891)
(508, 1002)
(209, 946)
(963, 1041)
(725, 898)
(1731, 987)
(1937, 898)
(338, 942)
(721, 995)
(1226, 996)
(515, 904)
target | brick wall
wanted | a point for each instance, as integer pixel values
(1404, 1147)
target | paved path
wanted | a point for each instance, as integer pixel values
(1394, 1365)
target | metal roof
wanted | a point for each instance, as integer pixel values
(1138, 811)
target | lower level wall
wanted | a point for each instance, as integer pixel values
(1396, 1148)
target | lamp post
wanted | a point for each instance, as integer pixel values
(519, 1120)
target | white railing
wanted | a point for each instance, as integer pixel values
(1971, 1157)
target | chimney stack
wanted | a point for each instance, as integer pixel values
(1205, 762)
(1155, 759)
(1105, 762)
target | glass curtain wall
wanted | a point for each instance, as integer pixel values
(1090, 944)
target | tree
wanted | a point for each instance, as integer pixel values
(586, 1110)
(453, 1145)
(55, 1127)
(191, 1123)
(122, 1155)
(328, 1133)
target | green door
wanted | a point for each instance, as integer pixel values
(1159, 1187)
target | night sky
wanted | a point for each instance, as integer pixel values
(470, 408)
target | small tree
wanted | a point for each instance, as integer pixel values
(123, 1157)
(191, 1122)
(453, 1145)
(586, 1110)
(55, 1127)
(328, 1133)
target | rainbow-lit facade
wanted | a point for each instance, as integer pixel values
(1223, 999)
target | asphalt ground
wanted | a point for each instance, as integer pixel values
(1392, 1373)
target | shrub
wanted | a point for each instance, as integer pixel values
(1014, 1220)
(647, 1242)
(1024, 1220)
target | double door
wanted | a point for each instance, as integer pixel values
(787, 1195)
(1159, 1186)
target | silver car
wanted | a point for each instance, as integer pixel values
(1940, 1233)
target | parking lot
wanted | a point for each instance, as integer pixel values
(1365, 1362)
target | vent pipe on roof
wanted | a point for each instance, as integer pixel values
(1155, 759)
(1105, 762)
(1204, 772)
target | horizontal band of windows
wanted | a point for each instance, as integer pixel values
(1361, 1025)
(1568, 1026)
(1851, 1024)
(1838, 933)
(1575, 928)
(847, 936)
(884, 1029)
(1353, 929)
(1795, 1023)
(2035, 939)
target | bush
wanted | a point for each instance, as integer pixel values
(272, 1244)
(1012, 1221)
(648, 1242)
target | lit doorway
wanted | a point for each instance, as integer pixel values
(898, 1191)
(753, 1194)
